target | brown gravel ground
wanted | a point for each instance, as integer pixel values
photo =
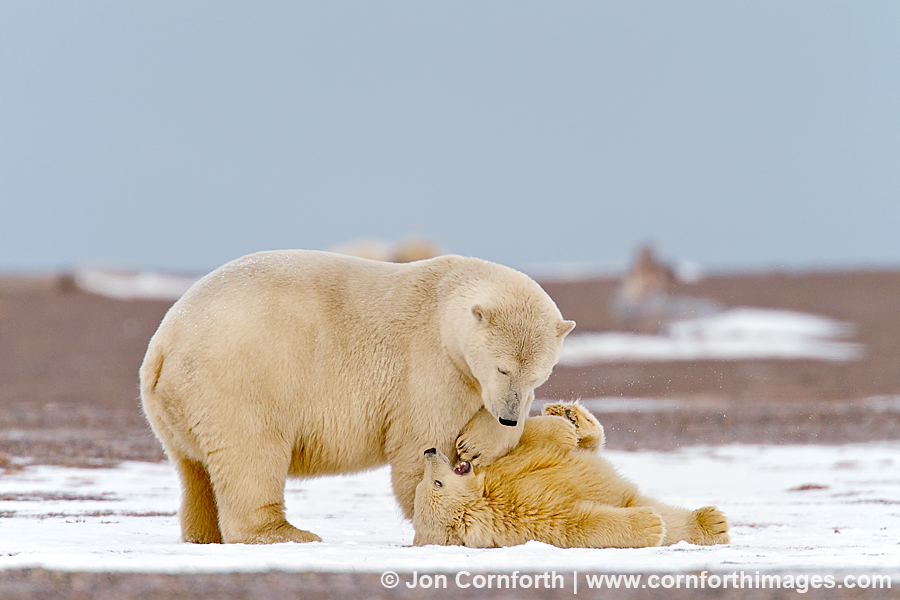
(34, 584)
(68, 395)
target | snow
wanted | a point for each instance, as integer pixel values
(133, 286)
(833, 508)
(740, 333)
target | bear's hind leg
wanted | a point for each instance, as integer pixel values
(199, 516)
(705, 526)
(249, 489)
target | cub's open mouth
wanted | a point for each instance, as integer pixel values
(462, 468)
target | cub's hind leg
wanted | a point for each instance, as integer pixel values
(705, 526)
(596, 525)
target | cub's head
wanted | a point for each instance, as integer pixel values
(513, 343)
(442, 499)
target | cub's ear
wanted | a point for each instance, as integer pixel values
(564, 327)
(481, 314)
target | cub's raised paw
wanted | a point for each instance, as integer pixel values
(467, 450)
(480, 451)
(483, 439)
(712, 527)
(587, 427)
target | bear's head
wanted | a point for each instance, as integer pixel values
(443, 499)
(511, 346)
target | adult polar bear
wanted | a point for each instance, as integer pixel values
(301, 363)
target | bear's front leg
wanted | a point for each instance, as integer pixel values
(406, 473)
(484, 439)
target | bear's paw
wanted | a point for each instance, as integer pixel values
(587, 427)
(648, 527)
(712, 526)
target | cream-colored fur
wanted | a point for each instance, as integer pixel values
(298, 363)
(555, 487)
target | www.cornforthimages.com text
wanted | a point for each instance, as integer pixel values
(574, 581)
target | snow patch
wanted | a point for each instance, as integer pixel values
(145, 285)
(831, 508)
(737, 334)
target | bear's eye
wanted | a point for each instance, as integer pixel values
(438, 484)
(503, 371)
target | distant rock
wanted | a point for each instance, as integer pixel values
(644, 302)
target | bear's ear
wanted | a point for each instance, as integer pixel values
(564, 327)
(481, 314)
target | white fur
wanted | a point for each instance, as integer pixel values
(306, 363)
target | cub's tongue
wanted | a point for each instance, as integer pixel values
(462, 468)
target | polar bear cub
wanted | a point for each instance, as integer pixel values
(554, 487)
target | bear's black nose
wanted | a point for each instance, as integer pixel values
(431, 451)
(508, 422)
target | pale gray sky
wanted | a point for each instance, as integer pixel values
(179, 135)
